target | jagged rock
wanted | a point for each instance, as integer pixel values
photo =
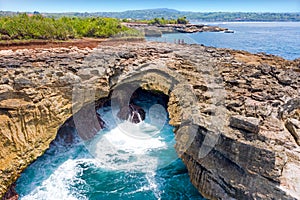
(284, 79)
(293, 126)
(208, 90)
(127, 55)
(68, 79)
(4, 80)
(5, 88)
(250, 124)
(265, 69)
(85, 74)
(11, 193)
(131, 112)
(287, 77)
(22, 82)
(291, 105)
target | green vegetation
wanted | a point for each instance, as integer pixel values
(163, 21)
(201, 16)
(159, 21)
(174, 14)
(241, 16)
(22, 27)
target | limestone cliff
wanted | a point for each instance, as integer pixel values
(236, 114)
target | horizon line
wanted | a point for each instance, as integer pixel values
(144, 10)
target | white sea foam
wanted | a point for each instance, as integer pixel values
(126, 146)
(138, 142)
(151, 186)
(58, 183)
(118, 150)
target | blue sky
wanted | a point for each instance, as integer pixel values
(122, 5)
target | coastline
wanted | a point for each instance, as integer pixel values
(79, 43)
(130, 56)
(158, 30)
(268, 37)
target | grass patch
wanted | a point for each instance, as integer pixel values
(24, 27)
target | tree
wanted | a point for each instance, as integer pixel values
(182, 20)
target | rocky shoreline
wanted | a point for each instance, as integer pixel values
(254, 154)
(158, 30)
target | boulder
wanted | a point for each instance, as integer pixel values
(249, 124)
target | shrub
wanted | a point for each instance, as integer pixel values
(37, 26)
(163, 21)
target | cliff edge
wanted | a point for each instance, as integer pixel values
(236, 114)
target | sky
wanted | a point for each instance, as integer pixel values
(123, 5)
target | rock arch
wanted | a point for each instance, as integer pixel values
(252, 155)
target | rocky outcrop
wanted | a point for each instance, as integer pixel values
(11, 194)
(250, 124)
(132, 113)
(152, 32)
(158, 30)
(235, 114)
(293, 126)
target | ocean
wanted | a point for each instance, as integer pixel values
(123, 161)
(277, 38)
(117, 166)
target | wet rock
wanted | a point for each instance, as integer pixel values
(11, 193)
(66, 135)
(249, 124)
(192, 76)
(132, 113)
(87, 122)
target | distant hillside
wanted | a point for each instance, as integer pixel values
(173, 14)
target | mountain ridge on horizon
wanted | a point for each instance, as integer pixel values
(173, 13)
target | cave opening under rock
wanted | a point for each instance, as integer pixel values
(96, 155)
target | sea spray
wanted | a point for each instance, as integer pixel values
(139, 164)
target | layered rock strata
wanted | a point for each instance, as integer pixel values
(236, 115)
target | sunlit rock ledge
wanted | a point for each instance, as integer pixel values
(236, 114)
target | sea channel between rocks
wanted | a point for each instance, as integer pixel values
(241, 110)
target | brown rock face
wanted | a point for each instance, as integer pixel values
(11, 194)
(293, 126)
(235, 114)
(132, 112)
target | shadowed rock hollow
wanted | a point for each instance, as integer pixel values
(236, 114)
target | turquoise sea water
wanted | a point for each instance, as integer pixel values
(114, 165)
(278, 38)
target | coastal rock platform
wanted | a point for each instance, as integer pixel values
(158, 30)
(236, 115)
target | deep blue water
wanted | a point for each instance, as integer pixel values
(277, 38)
(114, 164)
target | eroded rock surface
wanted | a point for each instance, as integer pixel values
(236, 114)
